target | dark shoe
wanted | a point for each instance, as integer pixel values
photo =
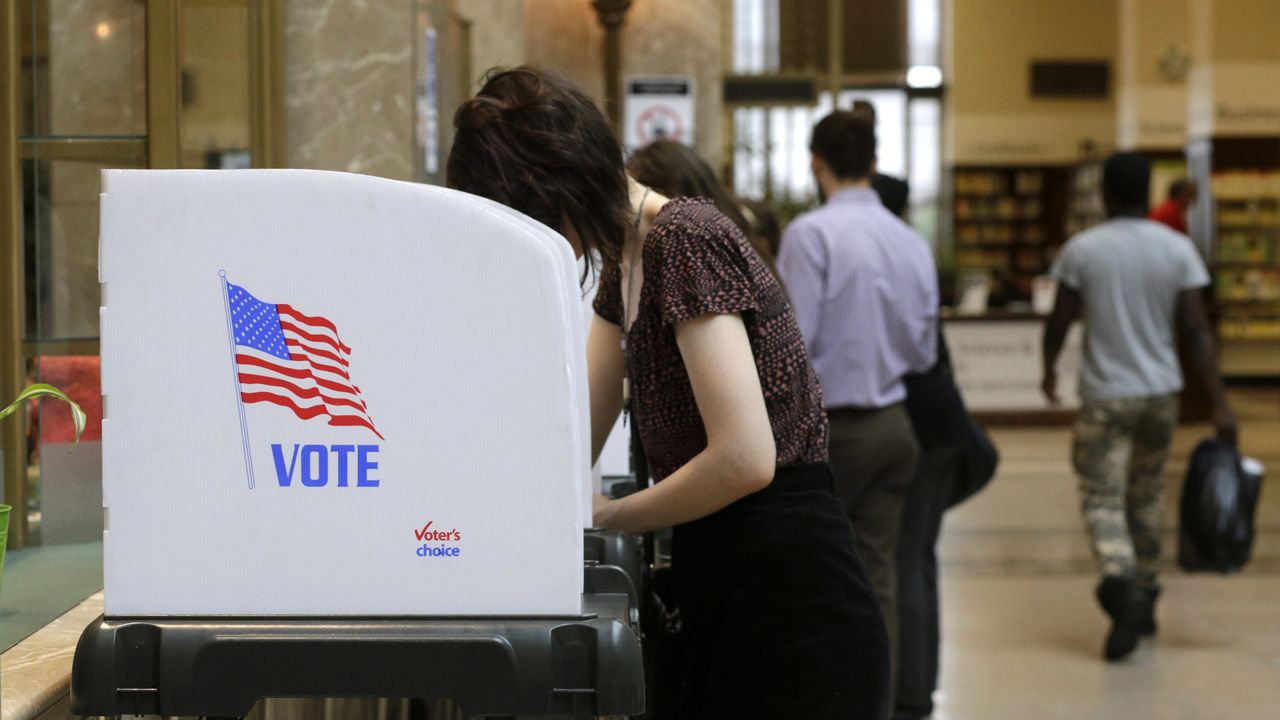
(1122, 600)
(1147, 613)
(912, 713)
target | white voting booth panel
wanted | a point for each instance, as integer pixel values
(331, 394)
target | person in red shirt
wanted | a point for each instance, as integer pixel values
(1173, 211)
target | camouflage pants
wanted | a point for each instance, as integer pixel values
(1119, 451)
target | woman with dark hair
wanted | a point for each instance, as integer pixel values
(695, 337)
(677, 171)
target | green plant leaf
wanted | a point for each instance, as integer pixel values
(44, 390)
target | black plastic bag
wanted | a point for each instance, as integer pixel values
(1219, 497)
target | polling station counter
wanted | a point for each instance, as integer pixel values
(996, 357)
(377, 483)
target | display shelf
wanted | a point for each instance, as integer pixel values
(1006, 219)
(1242, 176)
(1087, 207)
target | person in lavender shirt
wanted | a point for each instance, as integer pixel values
(865, 292)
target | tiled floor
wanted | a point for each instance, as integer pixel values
(1023, 637)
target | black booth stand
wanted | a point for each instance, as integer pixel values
(583, 666)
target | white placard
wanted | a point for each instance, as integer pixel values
(244, 312)
(997, 364)
(658, 107)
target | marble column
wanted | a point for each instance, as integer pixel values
(350, 82)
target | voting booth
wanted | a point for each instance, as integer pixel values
(345, 419)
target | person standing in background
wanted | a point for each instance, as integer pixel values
(1136, 283)
(939, 421)
(1173, 211)
(865, 292)
(893, 191)
(677, 171)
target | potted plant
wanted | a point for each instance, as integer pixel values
(31, 393)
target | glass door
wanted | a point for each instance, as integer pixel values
(94, 86)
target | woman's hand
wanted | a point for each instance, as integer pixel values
(600, 506)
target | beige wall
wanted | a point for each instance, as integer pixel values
(661, 37)
(993, 118)
(1245, 31)
(564, 35)
(1151, 108)
(497, 35)
(1157, 25)
(1235, 83)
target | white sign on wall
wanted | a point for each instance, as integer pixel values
(332, 394)
(658, 107)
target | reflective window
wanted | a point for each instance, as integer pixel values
(924, 33)
(84, 68)
(771, 143)
(755, 32)
(214, 125)
(61, 227)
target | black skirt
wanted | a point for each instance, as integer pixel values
(779, 617)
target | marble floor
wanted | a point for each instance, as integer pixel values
(1023, 637)
(41, 583)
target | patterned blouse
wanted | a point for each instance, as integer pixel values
(697, 262)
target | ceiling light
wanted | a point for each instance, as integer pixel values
(924, 76)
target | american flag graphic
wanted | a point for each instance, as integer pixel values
(297, 361)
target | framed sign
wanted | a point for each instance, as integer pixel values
(658, 107)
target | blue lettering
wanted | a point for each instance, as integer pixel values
(427, 551)
(315, 465)
(364, 464)
(283, 477)
(321, 466)
(342, 451)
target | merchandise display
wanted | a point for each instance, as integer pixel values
(1246, 258)
(1087, 208)
(1007, 220)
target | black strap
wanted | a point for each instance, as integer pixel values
(640, 468)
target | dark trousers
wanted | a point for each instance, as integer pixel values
(873, 456)
(918, 635)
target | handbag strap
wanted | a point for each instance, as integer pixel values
(640, 468)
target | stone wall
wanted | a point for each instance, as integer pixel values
(350, 86)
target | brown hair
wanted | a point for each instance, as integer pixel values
(675, 170)
(846, 142)
(534, 142)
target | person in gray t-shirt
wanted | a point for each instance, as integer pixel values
(1137, 285)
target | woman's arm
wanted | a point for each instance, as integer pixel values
(740, 457)
(604, 379)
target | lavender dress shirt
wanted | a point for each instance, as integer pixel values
(865, 292)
